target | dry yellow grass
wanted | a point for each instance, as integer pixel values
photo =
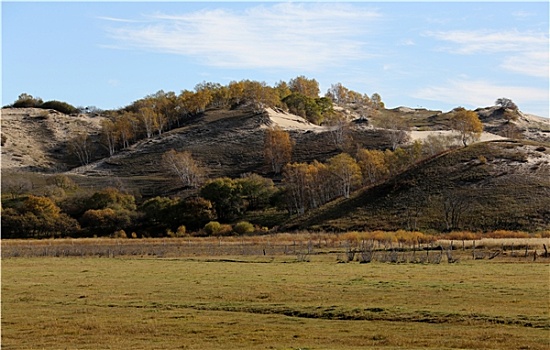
(257, 302)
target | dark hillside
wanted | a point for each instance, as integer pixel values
(494, 185)
(227, 142)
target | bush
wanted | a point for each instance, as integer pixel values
(25, 101)
(119, 234)
(212, 228)
(59, 106)
(225, 230)
(243, 227)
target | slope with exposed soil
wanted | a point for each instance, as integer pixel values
(492, 185)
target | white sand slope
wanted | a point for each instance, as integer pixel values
(289, 121)
(422, 135)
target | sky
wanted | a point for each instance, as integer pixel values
(434, 55)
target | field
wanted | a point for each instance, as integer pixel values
(256, 294)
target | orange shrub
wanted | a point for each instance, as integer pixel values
(507, 234)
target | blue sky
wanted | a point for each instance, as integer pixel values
(434, 55)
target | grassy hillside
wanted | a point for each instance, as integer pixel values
(497, 185)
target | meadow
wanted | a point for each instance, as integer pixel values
(292, 292)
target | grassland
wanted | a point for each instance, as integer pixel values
(221, 298)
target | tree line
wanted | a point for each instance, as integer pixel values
(162, 111)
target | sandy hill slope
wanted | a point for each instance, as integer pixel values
(225, 142)
(499, 184)
(35, 139)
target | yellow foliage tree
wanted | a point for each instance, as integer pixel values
(467, 123)
(373, 165)
(277, 148)
(346, 172)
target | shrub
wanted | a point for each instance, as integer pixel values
(212, 228)
(119, 234)
(243, 227)
(225, 230)
(181, 231)
(482, 159)
(59, 106)
(506, 234)
(25, 100)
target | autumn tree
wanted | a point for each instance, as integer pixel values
(373, 165)
(125, 126)
(282, 89)
(296, 182)
(338, 93)
(321, 188)
(37, 217)
(467, 124)
(304, 86)
(376, 101)
(277, 148)
(184, 167)
(346, 171)
(107, 211)
(109, 135)
(148, 116)
(256, 191)
(81, 146)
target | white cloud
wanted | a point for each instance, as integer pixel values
(299, 36)
(479, 93)
(470, 42)
(529, 63)
(522, 52)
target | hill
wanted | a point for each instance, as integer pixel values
(498, 183)
(490, 185)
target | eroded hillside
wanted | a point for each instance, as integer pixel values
(499, 184)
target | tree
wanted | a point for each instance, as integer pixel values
(256, 191)
(81, 147)
(373, 165)
(339, 130)
(506, 103)
(346, 171)
(296, 181)
(397, 131)
(109, 135)
(304, 86)
(124, 125)
(182, 165)
(225, 196)
(376, 101)
(148, 116)
(468, 125)
(113, 199)
(157, 211)
(310, 108)
(283, 90)
(277, 148)
(37, 217)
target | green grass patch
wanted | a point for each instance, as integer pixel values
(204, 303)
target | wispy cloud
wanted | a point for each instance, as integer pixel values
(299, 36)
(523, 52)
(480, 93)
(114, 19)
